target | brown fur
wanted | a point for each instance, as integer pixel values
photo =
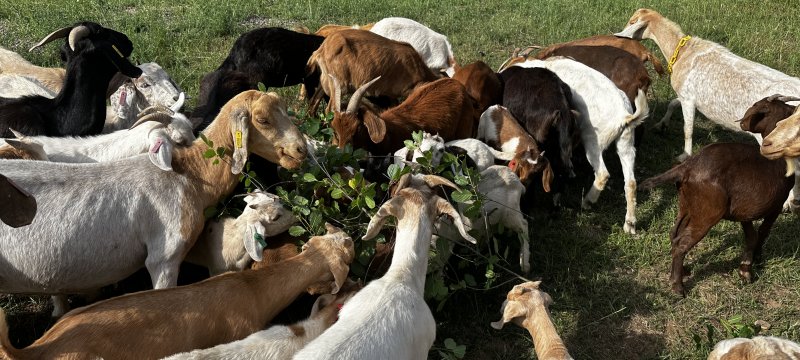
(442, 107)
(153, 324)
(17, 206)
(279, 247)
(355, 57)
(482, 83)
(784, 141)
(527, 149)
(631, 46)
(327, 30)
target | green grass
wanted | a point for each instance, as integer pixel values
(612, 299)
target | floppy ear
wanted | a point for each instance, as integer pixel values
(444, 207)
(547, 176)
(322, 301)
(632, 30)
(240, 127)
(376, 223)
(160, 153)
(376, 128)
(511, 310)
(340, 269)
(18, 207)
(252, 232)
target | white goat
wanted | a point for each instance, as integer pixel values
(708, 77)
(432, 143)
(759, 347)
(279, 342)
(230, 244)
(389, 318)
(155, 134)
(99, 223)
(433, 47)
(605, 116)
(483, 155)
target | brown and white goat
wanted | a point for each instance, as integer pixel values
(527, 307)
(219, 310)
(500, 129)
(354, 57)
(784, 140)
(482, 83)
(726, 181)
(442, 107)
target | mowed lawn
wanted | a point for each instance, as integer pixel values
(610, 290)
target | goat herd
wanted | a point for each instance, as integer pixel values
(86, 212)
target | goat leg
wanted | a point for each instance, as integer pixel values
(751, 238)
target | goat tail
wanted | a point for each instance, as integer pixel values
(657, 66)
(672, 175)
(502, 155)
(7, 351)
(642, 111)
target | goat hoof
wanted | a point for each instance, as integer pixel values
(746, 276)
(629, 228)
(792, 206)
(679, 290)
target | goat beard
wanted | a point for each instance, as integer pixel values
(790, 166)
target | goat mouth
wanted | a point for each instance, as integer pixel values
(772, 153)
(288, 161)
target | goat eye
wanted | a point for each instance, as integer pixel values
(262, 120)
(144, 85)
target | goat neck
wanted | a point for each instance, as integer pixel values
(414, 231)
(665, 33)
(73, 96)
(546, 341)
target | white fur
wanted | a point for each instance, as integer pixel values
(759, 347)
(14, 86)
(605, 116)
(432, 143)
(153, 87)
(483, 155)
(433, 47)
(229, 244)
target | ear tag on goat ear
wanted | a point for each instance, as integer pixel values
(117, 50)
(259, 239)
(238, 139)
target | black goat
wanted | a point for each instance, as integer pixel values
(540, 101)
(274, 56)
(94, 55)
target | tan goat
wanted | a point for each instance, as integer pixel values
(157, 323)
(526, 306)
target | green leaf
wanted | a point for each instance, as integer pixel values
(296, 230)
(417, 136)
(206, 140)
(450, 344)
(461, 180)
(409, 144)
(221, 151)
(460, 351)
(461, 196)
(337, 193)
(309, 177)
(470, 280)
(393, 172)
(215, 162)
(260, 239)
(369, 202)
(210, 153)
(210, 212)
(352, 183)
(262, 87)
(300, 201)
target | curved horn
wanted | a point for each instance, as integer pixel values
(178, 104)
(60, 33)
(337, 93)
(353, 104)
(403, 183)
(774, 97)
(435, 180)
(162, 118)
(528, 50)
(156, 109)
(78, 33)
(788, 98)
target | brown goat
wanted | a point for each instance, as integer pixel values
(633, 47)
(157, 323)
(726, 181)
(354, 57)
(482, 83)
(442, 107)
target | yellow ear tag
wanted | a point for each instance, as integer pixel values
(117, 50)
(238, 139)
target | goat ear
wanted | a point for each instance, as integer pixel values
(444, 207)
(575, 114)
(435, 180)
(547, 176)
(632, 30)
(511, 310)
(17, 134)
(377, 221)
(340, 269)
(16, 144)
(322, 301)
(252, 233)
(19, 207)
(240, 127)
(160, 153)
(376, 128)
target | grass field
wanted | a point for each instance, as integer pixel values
(610, 290)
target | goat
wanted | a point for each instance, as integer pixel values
(442, 107)
(231, 243)
(541, 103)
(280, 342)
(500, 129)
(605, 116)
(141, 224)
(388, 318)
(482, 155)
(706, 76)
(218, 310)
(326, 30)
(783, 142)
(759, 347)
(51, 79)
(431, 46)
(94, 54)
(354, 57)
(156, 133)
(18, 207)
(23, 148)
(527, 307)
(433, 143)
(633, 47)
(724, 181)
(273, 56)
(482, 83)
(154, 87)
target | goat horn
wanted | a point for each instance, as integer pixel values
(60, 33)
(156, 109)
(337, 94)
(159, 117)
(788, 98)
(528, 50)
(356, 99)
(178, 104)
(434, 180)
(403, 183)
(17, 134)
(78, 33)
